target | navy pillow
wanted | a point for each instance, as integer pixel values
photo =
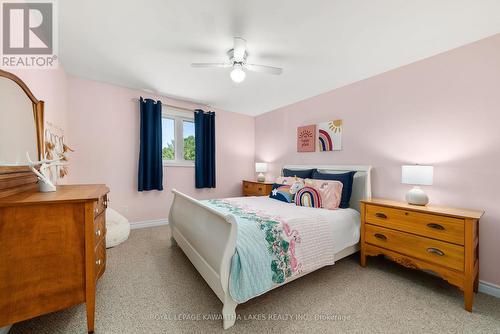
(345, 178)
(303, 173)
(281, 192)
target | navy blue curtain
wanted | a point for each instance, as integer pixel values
(204, 129)
(150, 159)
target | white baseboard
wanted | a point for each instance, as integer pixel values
(5, 330)
(489, 289)
(147, 223)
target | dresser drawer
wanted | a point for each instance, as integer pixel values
(256, 189)
(432, 226)
(99, 228)
(100, 258)
(100, 205)
(438, 252)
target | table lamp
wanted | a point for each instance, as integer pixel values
(261, 167)
(417, 175)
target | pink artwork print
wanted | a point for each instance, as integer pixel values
(306, 138)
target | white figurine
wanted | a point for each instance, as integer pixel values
(45, 184)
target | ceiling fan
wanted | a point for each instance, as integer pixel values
(238, 61)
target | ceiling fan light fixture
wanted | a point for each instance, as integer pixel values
(237, 74)
(237, 60)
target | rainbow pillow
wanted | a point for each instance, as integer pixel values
(308, 196)
(281, 192)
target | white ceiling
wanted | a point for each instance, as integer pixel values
(321, 44)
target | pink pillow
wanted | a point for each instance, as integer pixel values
(288, 180)
(330, 192)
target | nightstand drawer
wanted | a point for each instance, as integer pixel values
(432, 226)
(438, 252)
(256, 189)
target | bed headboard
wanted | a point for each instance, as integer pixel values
(361, 188)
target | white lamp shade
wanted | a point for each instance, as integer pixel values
(261, 167)
(417, 175)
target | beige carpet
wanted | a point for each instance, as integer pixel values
(148, 286)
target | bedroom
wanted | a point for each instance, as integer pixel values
(396, 103)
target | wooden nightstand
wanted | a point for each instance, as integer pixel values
(442, 240)
(255, 188)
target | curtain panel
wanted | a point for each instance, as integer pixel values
(150, 157)
(205, 149)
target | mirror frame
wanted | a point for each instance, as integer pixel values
(14, 179)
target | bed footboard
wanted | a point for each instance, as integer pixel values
(208, 238)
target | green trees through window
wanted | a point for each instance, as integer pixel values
(189, 148)
(170, 135)
(168, 152)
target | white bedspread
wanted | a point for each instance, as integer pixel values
(278, 242)
(345, 223)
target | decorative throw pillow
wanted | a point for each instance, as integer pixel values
(304, 173)
(329, 191)
(308, 196)
(281, 192)
(345, 178)
(296, 186)
(288, 180)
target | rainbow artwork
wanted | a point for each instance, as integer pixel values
(309, 197)
(330, 136)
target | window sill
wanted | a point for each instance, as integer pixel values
(177, 164)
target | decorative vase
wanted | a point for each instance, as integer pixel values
(45, 187)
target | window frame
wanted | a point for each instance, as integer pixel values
(178, 116)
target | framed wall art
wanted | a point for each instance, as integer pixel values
(330, 136)
(306, 138)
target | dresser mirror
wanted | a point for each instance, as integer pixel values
(21, 132)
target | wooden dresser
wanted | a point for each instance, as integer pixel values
(53, 250)
(442, 240)
(255, 188)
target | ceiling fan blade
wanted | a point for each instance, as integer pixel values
(264, 69)
(240, 46)
(210, 65)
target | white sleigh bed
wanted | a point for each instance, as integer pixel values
(208, 237)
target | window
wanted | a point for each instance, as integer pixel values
(168, 142)
(188, 134)
(178, 144)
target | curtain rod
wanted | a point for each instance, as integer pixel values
(169, 105)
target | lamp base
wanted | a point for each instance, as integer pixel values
(417, 196)
(261, 177)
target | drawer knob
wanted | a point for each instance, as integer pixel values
(381, 215)
(260, 188)
(106, 203)
(96, 210)
(435, 251)
(435, 226)
(98, 232)
(380, 236)
(98, 262)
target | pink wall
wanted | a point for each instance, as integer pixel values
(443, 111)
(104, 126)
